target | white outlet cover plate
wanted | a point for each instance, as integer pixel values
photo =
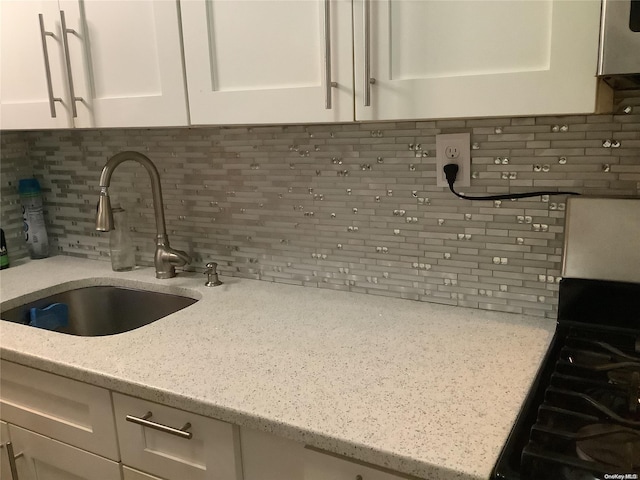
(462, 141)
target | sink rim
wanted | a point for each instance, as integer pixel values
(105, 324)
(98, 282)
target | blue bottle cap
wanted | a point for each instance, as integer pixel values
(28, 186)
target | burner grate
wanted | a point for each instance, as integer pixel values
(589, 421)
(588, 382)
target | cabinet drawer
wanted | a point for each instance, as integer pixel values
(60, 408)
(131, 474)
(268, 457)
(212, 453)
(321, 466)
(42, 457)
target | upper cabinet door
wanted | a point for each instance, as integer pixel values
(439, 59)
(268, 61)
(29, 79)
(125, 63)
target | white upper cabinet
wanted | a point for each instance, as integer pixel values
(268, 61)
(116, 64)
(285, 61)
(29, 79)
(444, 59)
(126, 63)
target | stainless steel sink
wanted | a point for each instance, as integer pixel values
(104, 310)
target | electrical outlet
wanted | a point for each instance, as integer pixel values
(454, 148)
(452, 152)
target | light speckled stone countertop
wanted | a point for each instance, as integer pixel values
(420, 388)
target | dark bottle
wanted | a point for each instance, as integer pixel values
(4, 257)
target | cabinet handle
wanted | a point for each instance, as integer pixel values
(12, 460)
(368, 81)
(47, 67)
(67, 57)
(145, 422)
(327, 55)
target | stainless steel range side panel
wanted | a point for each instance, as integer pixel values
(602, 239)
(619, 45)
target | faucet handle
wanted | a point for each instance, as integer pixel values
(212, 275)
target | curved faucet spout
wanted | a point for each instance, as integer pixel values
(166, 258)
(156, 189)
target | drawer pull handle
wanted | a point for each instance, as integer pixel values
(12, 460)
(145, 422)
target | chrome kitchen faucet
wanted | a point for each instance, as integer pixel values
(166, 258)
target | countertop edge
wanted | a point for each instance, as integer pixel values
(403, 466)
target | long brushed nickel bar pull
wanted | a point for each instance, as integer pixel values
(145, 422)
(12, 461)
(47, 67)
(327, 55)
(368, 81)
(67, 57)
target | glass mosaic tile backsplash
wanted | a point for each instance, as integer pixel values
(343, 206)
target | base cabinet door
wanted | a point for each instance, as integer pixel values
(150, 442)
(41, 458)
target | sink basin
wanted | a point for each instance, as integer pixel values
(104, 310)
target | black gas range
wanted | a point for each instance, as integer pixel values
(581, 419)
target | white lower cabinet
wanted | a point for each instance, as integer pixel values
(42, 458)
(62, 429)
(5, 472)
(47, 418)
(131, 474)
(322, 466)
(67, 410)
(268, 457)
(154, 438)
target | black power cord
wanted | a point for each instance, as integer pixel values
(451, 172)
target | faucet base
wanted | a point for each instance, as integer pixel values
(165, 275)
